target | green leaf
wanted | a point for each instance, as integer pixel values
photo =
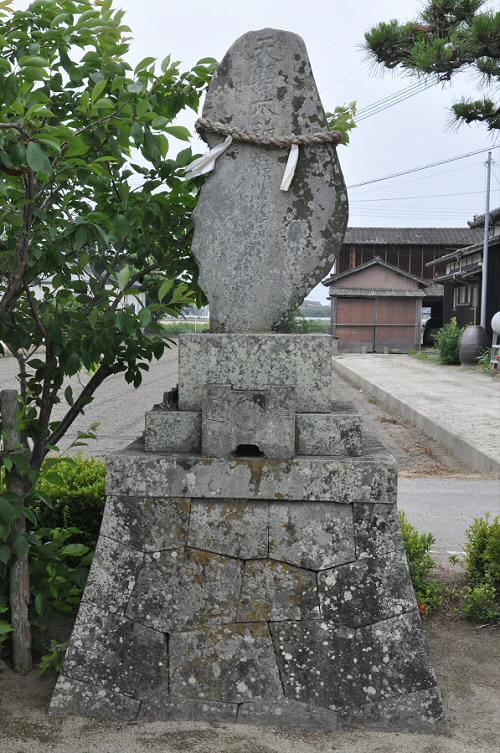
(179, 132)
(164, 289)
(4, 553)
(34, 60)
(75, 550)
(68, 394)
(5, 627)
(37, 159)
(145, 317)
(7, 511)
(98, 90)
(40, 603)
(104, 104)
(165, 63)
(145, 63)
(54, 478)
(22, 546)
(123, 277)
(93, 317)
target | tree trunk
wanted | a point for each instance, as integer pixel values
(19, 570)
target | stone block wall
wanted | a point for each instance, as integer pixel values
(277, 611)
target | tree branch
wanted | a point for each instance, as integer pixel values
(83, 399)
(15, 285)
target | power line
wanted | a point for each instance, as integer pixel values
(422, 196)
(423, 167)
(395, 99)
(423, 177)
(341, 80)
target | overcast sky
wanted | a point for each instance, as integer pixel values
(412, 133)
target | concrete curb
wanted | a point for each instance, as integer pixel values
(459, 446)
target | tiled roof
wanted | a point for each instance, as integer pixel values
(412, 236)
(376, 262)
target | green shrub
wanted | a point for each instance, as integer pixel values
(448, 342)
(482, 567)
(77, 496)
(428, 590)
(481, 603)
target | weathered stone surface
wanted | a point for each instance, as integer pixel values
(256, 362)
(147, 524)
(276, 591)
(261, 250)
(261, 419)
(104, 650)
(368, 479)
(158, 708)
(181, 588)
(232, 663)
(366, 591)
(172, 431)
(236, 528)
(287, 715)
(76, 698)
(377, 530)
(395, 658)
(316, 663)
(421, 711)
(328, 434)
(314, 536)
(112, 575)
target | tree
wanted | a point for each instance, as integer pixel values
(448, 36)
(92, 213)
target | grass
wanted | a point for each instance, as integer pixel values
(431, 355)
(173, 328)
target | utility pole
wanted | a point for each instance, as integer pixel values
(486, 239)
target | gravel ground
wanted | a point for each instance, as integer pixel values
(466, 661)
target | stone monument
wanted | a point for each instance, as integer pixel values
(250, 566)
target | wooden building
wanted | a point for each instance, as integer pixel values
(376, 306)
(460, 274)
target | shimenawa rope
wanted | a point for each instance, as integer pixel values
(206, 163)
(326, 137)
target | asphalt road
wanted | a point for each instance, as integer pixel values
(444, 506)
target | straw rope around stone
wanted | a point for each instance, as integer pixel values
(328, 137)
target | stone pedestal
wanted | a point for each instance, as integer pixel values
(268, 588)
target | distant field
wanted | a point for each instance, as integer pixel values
(178, 327)
(299, 326)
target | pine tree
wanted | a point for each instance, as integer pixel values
(448, 36)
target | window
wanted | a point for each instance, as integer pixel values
(466, 295)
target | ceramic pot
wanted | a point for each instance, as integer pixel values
(474, 342)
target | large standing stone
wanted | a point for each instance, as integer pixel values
(261, 250)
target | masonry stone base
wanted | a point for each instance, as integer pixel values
(283, 611)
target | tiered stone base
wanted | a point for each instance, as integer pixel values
(259, 591)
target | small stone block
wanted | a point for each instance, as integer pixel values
(263, 420)
(182, 588)
(314, 536)
(253, 362)
(276, 591)
(377, 530)
(112, 575)
(172, 431)
(236, 528)
(316, 663)
(166, 709)
(231, 663)
(366, 591)
(104, 650)
(76, 698)
(395, 658)
(328, 434)
(286, 714)
(420, 712)
(148, 524)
